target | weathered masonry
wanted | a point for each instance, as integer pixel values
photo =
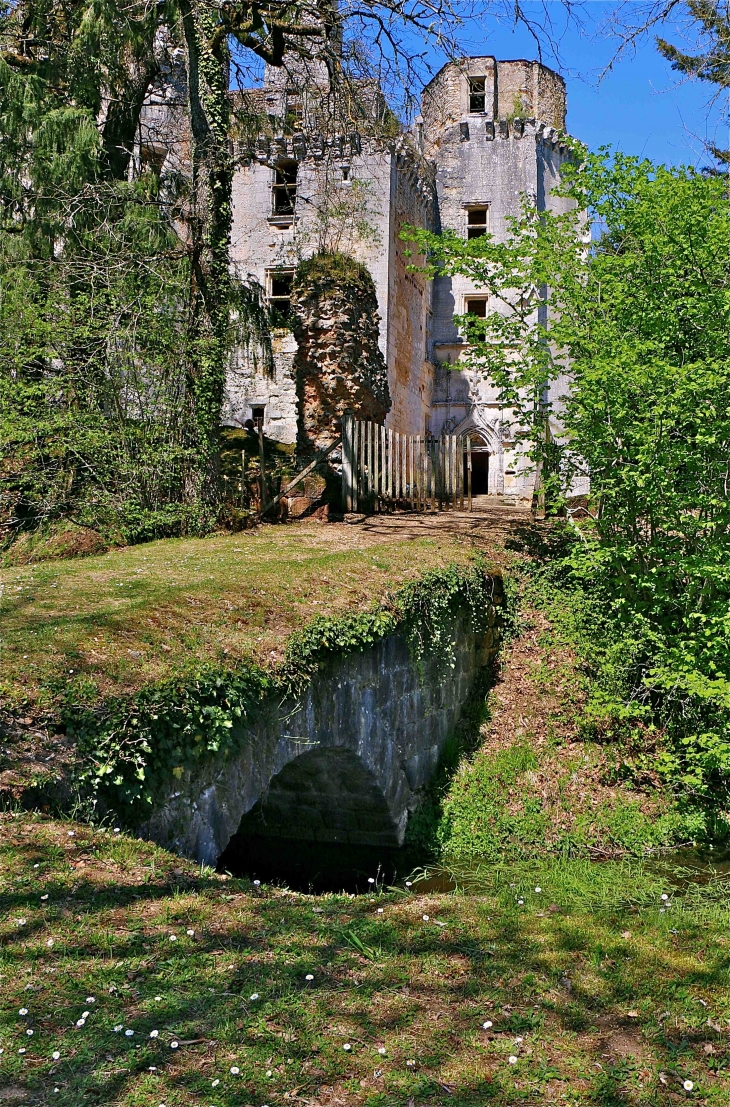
(490, 132)
(345, 765)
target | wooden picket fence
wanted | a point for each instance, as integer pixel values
(383, 470)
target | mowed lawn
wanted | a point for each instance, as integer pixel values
(109, 624)
(131, 977)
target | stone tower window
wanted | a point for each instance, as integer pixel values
(284, 189)
(279, 283)
(477, 95)
(477, 222)
(257, 417)
(476, 305)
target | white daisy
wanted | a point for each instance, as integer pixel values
(56, 1055)
(512, 1059)
(234, 1070)
(688, 1085)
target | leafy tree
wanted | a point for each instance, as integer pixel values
(642, 319)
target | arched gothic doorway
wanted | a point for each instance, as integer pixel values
(479, 466)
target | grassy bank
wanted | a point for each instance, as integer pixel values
(138, 615)
(603, 992)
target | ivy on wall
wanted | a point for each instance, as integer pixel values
(133, 749)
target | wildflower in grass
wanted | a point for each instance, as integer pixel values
(23, 1011)
(538, 890)
(30, 1033)
(56, 1089)
(411, 1064)
(269, 1072)
(174, 1045)
(664, 896)
(45, 897)
(371, 880)
(82, 1022)
(91, 999)
(688, 1085)
(425, 918)
(154, 1033)
(235, 1070)
(521, 902)
(22, 1050)
(215, 1083)
(309, 976)
(21, 922)
(254, 997)
(50, 942)
(512, 1059)
(409, 883)
(190, 933)
(36, 866)
(173, 937)
(118, 1028)
(56, 1055)
(380, 910)
(487, 1025)
(70, 832)
(381, 1050)
(129, 1033)
(257, 883)
(84, 1014)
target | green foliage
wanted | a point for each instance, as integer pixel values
(134, 747)
(133, 750)
(642, 320)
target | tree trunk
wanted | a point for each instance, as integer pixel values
(210, 229)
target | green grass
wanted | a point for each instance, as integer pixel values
(138, 615)
(606, 994)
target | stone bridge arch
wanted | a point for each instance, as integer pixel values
(351, 759)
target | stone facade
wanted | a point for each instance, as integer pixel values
(490, 133)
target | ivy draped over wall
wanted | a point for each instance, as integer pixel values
(133, 749)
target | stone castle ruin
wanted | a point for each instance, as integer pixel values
(381, 341)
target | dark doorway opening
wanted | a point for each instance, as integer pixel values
(479, 470)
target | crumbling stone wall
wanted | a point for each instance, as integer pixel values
(339, 364)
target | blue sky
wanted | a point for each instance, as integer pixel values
(641, 107)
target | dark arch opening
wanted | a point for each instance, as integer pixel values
(479, 466)
(322, 825)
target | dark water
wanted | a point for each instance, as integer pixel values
(316, 866)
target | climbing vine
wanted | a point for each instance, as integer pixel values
(134, 749)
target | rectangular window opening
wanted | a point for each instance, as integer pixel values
(477, 222)
(476, 307)
(284, 188)
(257, 417)
(294, 112)
(477, 95)
(279, 296)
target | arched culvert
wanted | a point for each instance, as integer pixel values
(322, 820)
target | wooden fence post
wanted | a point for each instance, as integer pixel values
(347, 421)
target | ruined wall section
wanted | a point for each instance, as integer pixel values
(338, 365)
(262, 246)
(409, 320)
